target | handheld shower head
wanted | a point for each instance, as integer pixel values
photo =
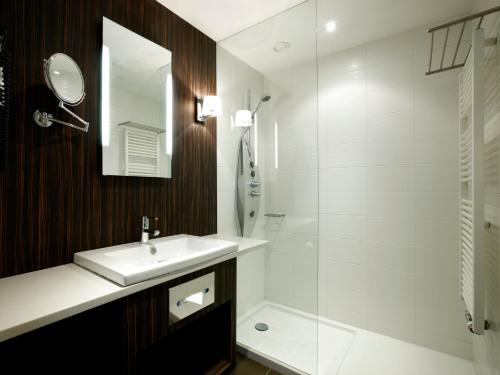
(264, 99)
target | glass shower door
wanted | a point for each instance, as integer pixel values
(270, 70)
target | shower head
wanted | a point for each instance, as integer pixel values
(264, 99)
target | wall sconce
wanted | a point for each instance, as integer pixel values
(209, 106)
(243, 119)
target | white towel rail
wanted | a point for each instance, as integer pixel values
(471, 142)
(142, 153)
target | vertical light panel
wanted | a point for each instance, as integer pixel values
(276, 145)
(255, 138)
(105, 96)
(169, 114)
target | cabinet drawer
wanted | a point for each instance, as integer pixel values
(190, 297)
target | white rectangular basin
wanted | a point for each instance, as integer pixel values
(132, 263)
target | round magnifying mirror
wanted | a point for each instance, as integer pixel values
(64, 78)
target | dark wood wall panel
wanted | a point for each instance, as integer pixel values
(54, 199)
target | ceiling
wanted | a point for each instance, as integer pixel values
(255, 46)
(361, 21)
(220, 19)
(358, 22)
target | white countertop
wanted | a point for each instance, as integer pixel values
(32, 300)
(244, 244)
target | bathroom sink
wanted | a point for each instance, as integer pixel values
(132, 263)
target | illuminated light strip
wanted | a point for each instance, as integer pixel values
(105, 96)
(169, 114)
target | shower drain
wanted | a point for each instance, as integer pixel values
(261, 327)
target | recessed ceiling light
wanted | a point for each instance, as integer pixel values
(330, 26)
(57, 72)
(281, 46)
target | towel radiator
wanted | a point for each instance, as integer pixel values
(471, 143)
(142, 153)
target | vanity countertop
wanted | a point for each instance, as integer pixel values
(32, 300)
(245, 244)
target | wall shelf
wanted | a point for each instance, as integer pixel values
(458, 26)
(136, 125)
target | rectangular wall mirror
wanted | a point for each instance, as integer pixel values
(136, 104)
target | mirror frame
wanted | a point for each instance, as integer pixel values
(50, 84)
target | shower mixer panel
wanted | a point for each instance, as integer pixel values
(248, 190)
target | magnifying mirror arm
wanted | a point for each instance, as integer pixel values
(85, 123)
(45, 119)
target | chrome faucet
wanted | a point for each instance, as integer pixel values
(146, 230)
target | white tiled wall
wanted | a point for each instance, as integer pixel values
(286, 272)
(234, 78)
(388, 192)
(367, 178)
(292, 188)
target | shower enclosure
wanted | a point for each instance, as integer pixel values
(355, 160)
(277, 285)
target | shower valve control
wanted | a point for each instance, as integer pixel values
(252, 173)
(252, 164)
(254, 193)
(254, 184)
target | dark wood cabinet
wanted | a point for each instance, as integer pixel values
(133, 336)
(203, 340)
(87, 343)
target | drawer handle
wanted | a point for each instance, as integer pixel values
(196, 298)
